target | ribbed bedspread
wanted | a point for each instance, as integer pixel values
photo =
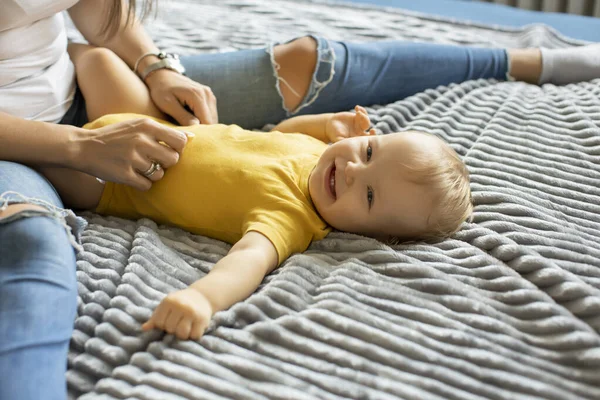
(508, 308)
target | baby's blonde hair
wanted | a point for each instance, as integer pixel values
(445, 175)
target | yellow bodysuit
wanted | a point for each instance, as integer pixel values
(228, 182)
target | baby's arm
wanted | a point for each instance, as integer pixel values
(187, 313)
(312, 125)
(329, 127)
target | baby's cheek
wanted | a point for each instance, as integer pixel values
(348, 216)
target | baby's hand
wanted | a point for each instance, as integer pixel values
(344, 125)
(185, 313)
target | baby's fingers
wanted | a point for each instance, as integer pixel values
(158, 318)
(360, 109)
(184, 328)
(361, 123)
(148, 325)
(173, 321)
(198, 329)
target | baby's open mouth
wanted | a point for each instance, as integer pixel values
(332, 181)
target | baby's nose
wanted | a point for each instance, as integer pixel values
(351, 171)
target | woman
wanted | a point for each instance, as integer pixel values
(42, 110)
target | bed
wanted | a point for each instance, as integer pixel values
(577, 24)
(508, 308)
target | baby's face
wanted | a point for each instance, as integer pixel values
(361, 186)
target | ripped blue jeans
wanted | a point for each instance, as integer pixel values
(38, 289)
(347, 73)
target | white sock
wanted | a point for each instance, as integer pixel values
(572, 64)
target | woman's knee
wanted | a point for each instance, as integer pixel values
(37, 266)
(295, 63)
(38, 285)
(30, 238)
(38, 302)
(95, 58)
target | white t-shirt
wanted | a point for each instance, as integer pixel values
(37, 77)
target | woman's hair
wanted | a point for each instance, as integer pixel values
(116, 9)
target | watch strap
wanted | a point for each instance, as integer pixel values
(162, 64)
(172, 64)
(139, 60)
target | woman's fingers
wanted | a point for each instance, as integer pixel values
(153, 158)
(174, 106)
(162, 154)
(200, 101)
(136, 180)
(173, 138)
(214, 110)
(154, 171)
(203, 103)
(123, 152)
(143, 173)
(173, 92)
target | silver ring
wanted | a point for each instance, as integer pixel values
(153, 168)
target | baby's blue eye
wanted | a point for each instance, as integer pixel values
(369, 152)
(370, 196)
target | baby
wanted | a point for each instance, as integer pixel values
(271, 194)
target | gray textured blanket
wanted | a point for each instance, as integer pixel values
(509, 308)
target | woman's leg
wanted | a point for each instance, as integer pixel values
(525, 64)
(38, 291)
(384, 72)
(244, 83)
(326, 76)
(108, 85)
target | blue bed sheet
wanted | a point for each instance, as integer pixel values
(574, 26)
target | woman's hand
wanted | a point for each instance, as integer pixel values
(171, 92)
(347, 124)
(185, 313)
(122, 152)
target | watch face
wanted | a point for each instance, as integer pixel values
(175, 65)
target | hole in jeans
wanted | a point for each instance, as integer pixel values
(321, 75)
(13, 209)
(15, 206)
